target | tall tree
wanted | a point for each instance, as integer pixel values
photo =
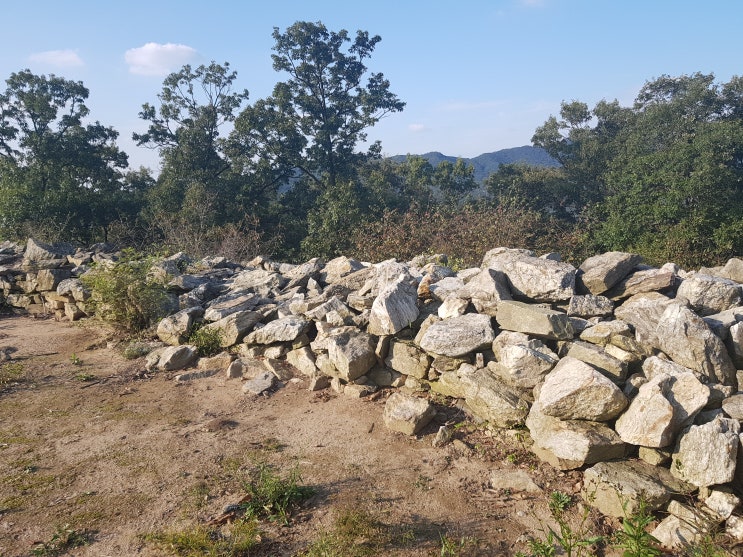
(59, 174)
(315, 120)
(195, 104)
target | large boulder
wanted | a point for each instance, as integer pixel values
(689, 341)
(408, 359)
(394, 308)
(535, 278)
(708, 295)
(599, 273)
(706, 454)
(233, 328)
(644, 281)
(352, 353)
(407, 414)
(458, 336)
(285, 329)
(573, 390)
(619, 488)
(570, 444)
(534, 320)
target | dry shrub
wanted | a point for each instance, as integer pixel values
(465, 234)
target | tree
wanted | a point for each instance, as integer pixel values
(314, 121)
(663, 177)
(195, 105)
(58, 175)
(454, 181)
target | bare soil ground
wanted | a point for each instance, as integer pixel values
(91, 443)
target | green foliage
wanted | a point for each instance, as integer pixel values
(271, 496)
(633, 538)
(573, 535)
(242, 537)
(64, 539)
(54, 169)
(208, 341)
(451, 547)
(11, 373)
(122, 292)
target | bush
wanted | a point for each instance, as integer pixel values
(207, 341)
(122, 293)
(464, 234)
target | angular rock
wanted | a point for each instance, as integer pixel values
(394, 308)
(599, 273)
(39, 251)
(174, 329)
(408, 359)
(706, 454)
(233, 328)
(534, 320)
(486, 290)
(721, 322)
(49, 279)
(643, 312)
(617, 488)
(337, 268)
(285, 329)
(304, 360)
(458, 336)
(333, 305)
(453, 307)
(641, 282)
(219, 361)
(604, 332)
(708, 295)
(735, 342)
(230, 303)
(407, 414)
(352, 353)
(573, 390)
(689, 341)
(258, 279)
(733, 270)
(590, 306)
(446, 287)
(522, 362)
(570, 444)
(73, 287)
(262, 382)
(534, 278)
(177, 357)
(611, 367)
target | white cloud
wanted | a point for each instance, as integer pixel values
(158, 59)
(533, 3)
(416, 128)
(58, 58)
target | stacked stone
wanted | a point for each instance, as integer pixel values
(626, 371)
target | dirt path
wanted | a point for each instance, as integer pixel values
(90, 441)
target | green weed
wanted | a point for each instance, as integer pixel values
(237, 541)
(273, 497)
(355, 533)
(633, 538)
(64, 538)
(11, 373)
(208, 341)
(451, 547)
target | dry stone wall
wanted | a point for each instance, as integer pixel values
(625, 371)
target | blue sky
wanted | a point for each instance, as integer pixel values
(477, 76)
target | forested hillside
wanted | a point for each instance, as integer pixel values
(285, 175)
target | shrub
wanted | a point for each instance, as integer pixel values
(207, 341)
(122, 293)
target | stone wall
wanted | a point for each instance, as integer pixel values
(625, 371)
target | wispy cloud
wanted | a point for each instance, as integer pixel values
(57, 58)
(459, 106)
(533, 3)
(158, 59)
(416, 128)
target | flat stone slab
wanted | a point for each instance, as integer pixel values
(534, 320)
(458, 336)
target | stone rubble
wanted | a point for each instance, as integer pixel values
(626, 371)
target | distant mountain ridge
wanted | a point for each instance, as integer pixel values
(487, 163)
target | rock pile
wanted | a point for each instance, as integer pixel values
(626, 371)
